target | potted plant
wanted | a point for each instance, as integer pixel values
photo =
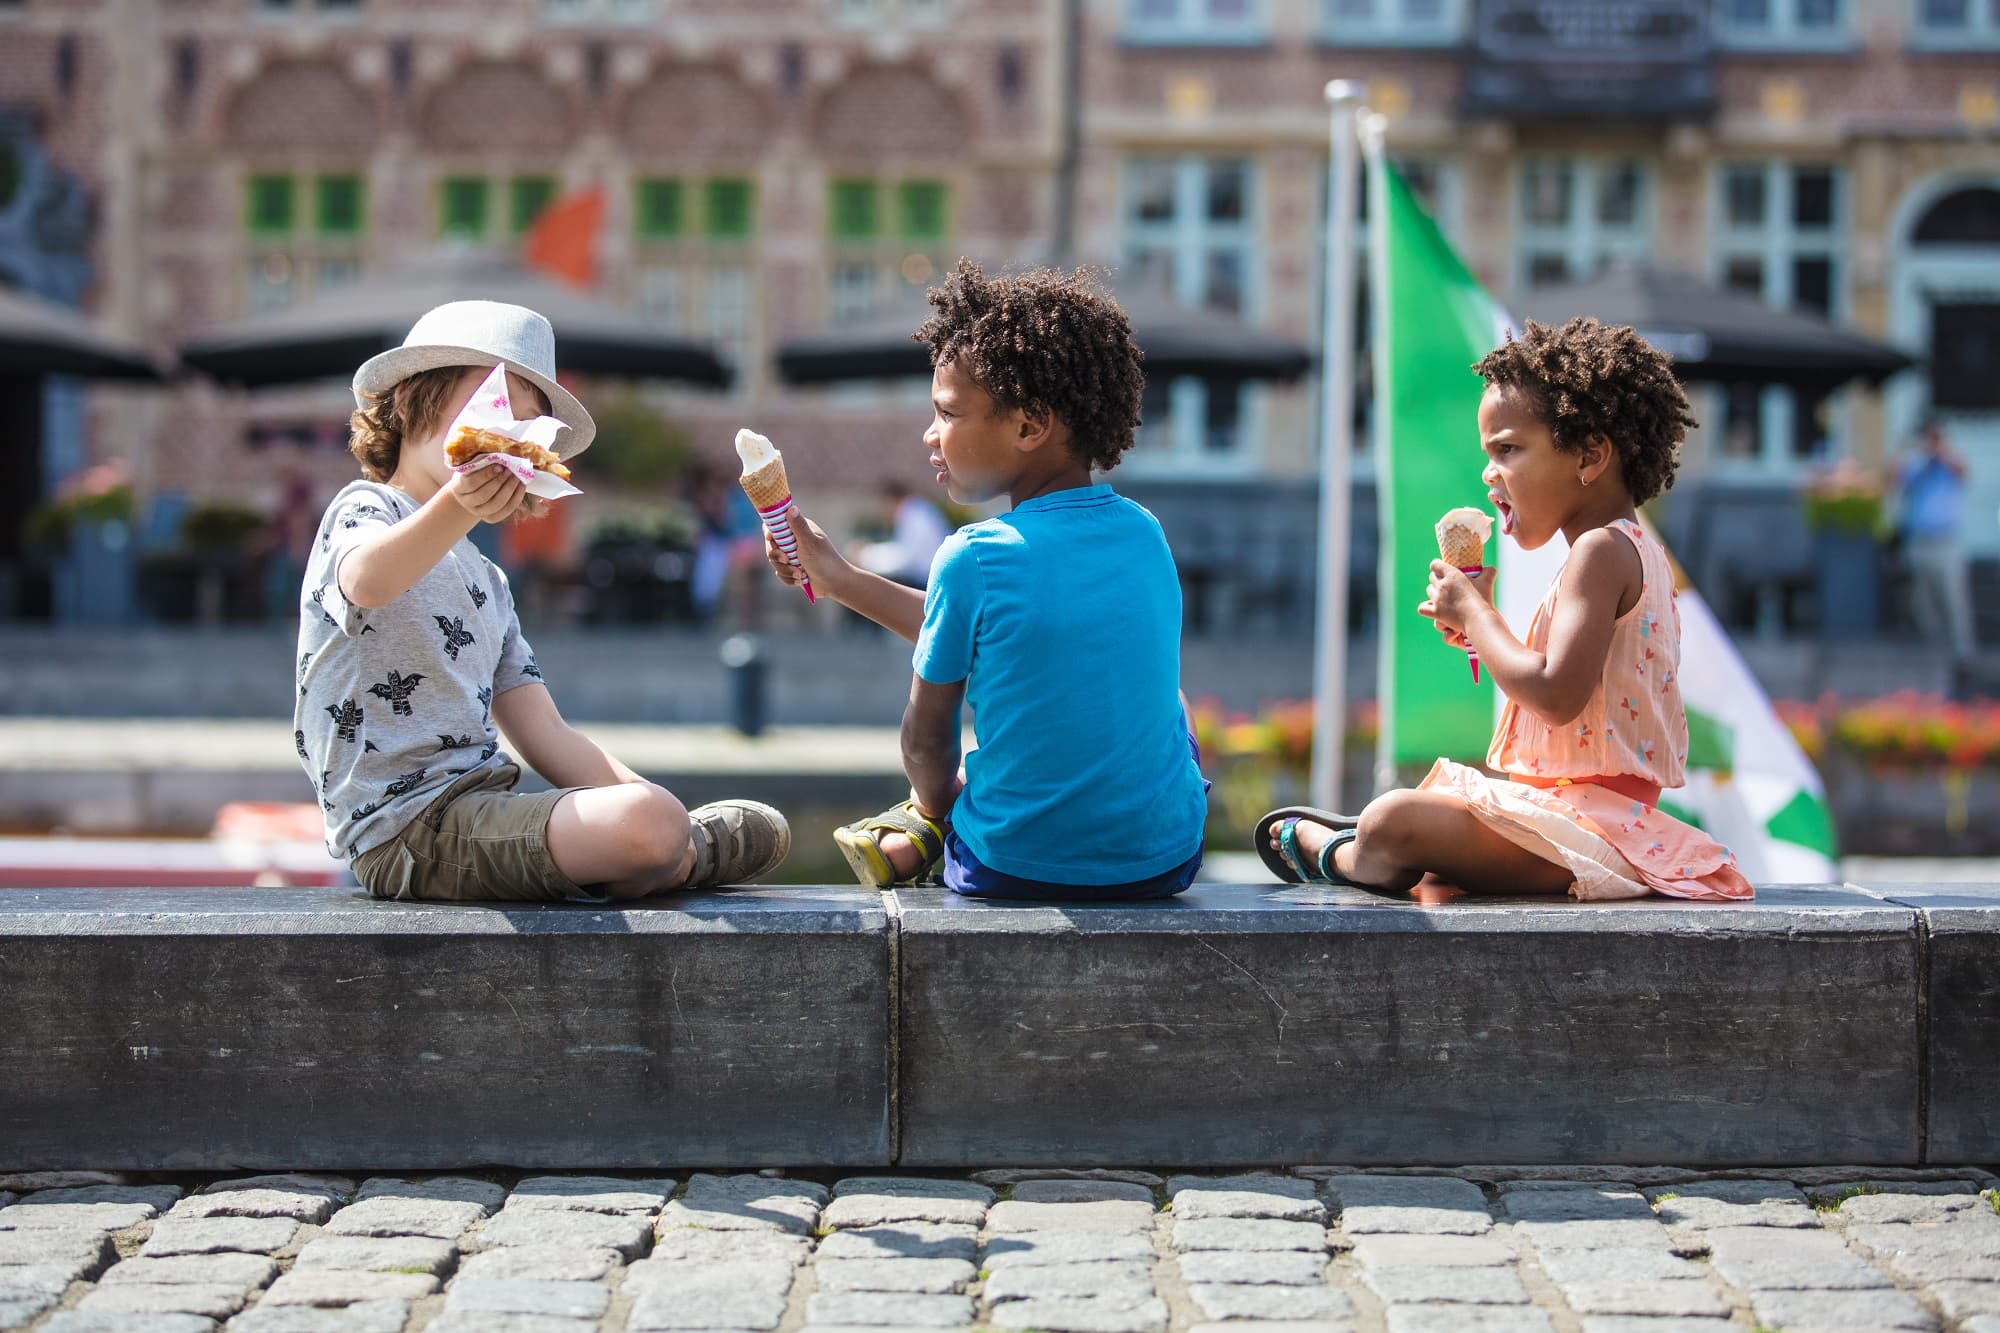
(85, 532)
(1844, 511)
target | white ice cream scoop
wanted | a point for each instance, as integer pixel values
(754, 450)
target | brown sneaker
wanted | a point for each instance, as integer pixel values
(736, 842)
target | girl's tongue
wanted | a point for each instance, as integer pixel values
(1506, 516)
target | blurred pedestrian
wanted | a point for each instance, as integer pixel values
(1931, 489)
(920, 528)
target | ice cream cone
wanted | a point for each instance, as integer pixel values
(764, 481)
(1461, 536)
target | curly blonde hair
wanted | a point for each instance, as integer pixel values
(408, 409)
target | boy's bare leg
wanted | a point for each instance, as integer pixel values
(630, 840)
(1404, 835)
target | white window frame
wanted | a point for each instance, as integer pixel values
(1187, 238)
(1785, 31)
(1981, 30)
(1192, 25)
(1390, 25)
(620, 13)
(1585, 242)
(1776, 243)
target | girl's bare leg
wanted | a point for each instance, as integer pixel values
(1405, 835)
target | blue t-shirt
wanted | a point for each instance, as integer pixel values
(1933, 499)
(1063, 618)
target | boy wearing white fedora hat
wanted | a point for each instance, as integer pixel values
(412, 668)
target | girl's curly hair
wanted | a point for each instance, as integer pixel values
(408, 409)
(1045, 340)
(1588, 379)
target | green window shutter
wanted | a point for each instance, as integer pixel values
(658, 209)
(921, 210)
(851, 211)
(528, 196)
(269, 208)
(732, 208)
(462, 206)
(340, 205)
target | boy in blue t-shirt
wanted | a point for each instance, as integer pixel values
(1058, 622)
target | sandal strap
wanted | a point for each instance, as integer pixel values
(928, 834)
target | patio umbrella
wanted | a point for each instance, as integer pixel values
(1717, 335)
(39, 337)
(1176, 340)
(332, 333)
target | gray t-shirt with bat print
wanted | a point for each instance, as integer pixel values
(396, 703)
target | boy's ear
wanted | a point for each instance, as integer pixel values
(1037, 425)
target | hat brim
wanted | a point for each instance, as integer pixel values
(380, 373)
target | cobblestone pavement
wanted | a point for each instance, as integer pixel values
(1315, 1250)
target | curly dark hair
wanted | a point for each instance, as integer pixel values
(1588, 379)
(1044, 340)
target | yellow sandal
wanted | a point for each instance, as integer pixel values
(861, 843)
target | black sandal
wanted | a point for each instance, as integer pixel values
(1285, 860)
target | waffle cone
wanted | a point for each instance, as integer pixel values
(767, 486)
(1461, 547)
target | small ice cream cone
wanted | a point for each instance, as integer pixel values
(764, 481)
(1461, 536)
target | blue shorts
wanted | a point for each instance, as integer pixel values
(964, 874)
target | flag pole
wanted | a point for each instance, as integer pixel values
(1336, 448)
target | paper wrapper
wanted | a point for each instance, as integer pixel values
(1462, 535)
(770, 492)
(492, 410)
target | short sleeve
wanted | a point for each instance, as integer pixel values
(517, 659)
(355, 516)
(951, 614)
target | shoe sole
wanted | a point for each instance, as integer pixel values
(780, 852)
(865, 858)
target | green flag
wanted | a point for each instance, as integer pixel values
(1432, 320)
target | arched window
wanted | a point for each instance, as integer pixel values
(1964, 217)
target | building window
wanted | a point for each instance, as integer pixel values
(1779, 232)
(1190, 231)
(1784, 25)
(857, 13)
(269, 208)
(851, 212)
(1576, 215)
(527, 196)
(1197, 22)
(339, 205)
(290, 252)
(1394, 22)
(657, 209)
(1956, 24)
(600, 11)
(463, 205)
(920, 211)
(880, 233)
(732, 209)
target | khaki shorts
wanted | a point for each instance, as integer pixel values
(479, 841)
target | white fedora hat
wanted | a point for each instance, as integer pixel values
(483, 333)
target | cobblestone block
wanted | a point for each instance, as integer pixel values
(215, 1300)
(888, 1309)
(718, 1246)
(31, 1216)
(377, 1254)
(565, 1300)
(387, 1215)
(910, 1240)
(1981, 1324)
(1577, 1205)
(539, 1263)
(1456, 1286)
(17, 1281)
(626, 1233)
(1765, 1258)
(747, 1203)
(330, 1289)
(1014, 1217)
(1584, 1235)
(157, 1197)
(237, 1270)
(1632, 1323)
(1288, 1268)
(920, 1275)
(337, 1188)
(214, 1235)
(1081, 1191)
(298, 1205)
(1420, 1205)
(485, 1321)
(696, 1275)
(1283, 1197)
(1129, 1282)
(1374, 1251)
(591, 1194)
(1651, 1264)
(1850, 1311)
(19, 1305)
(1615, 1179)
(1249, 1233)
(1277, 1326)
(109, 1321)
(1931, 1253)
(855, 1204)
(1733, 1203)
(1899, 1203)
(665, 1305)
(7, 1197)
(1015, 1175)
(360, 1317)
(1451, 1319)
(1044, 1248)
(88, 1250)
(1677, 1297)
(1243, 1301)
(27, 1182)
(436, 1189)
(1081, 1316)
(1967, 1300)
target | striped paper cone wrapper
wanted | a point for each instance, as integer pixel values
(1461, 538)
(771, 493)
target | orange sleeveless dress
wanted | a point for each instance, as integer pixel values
(1633, 732)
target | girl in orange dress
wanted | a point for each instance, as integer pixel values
(1579, 425)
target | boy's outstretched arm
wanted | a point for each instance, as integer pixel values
(382, 568)
(538, 736)
(891, 605)
(930, 744)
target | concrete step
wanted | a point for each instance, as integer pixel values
(1238, 1024)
